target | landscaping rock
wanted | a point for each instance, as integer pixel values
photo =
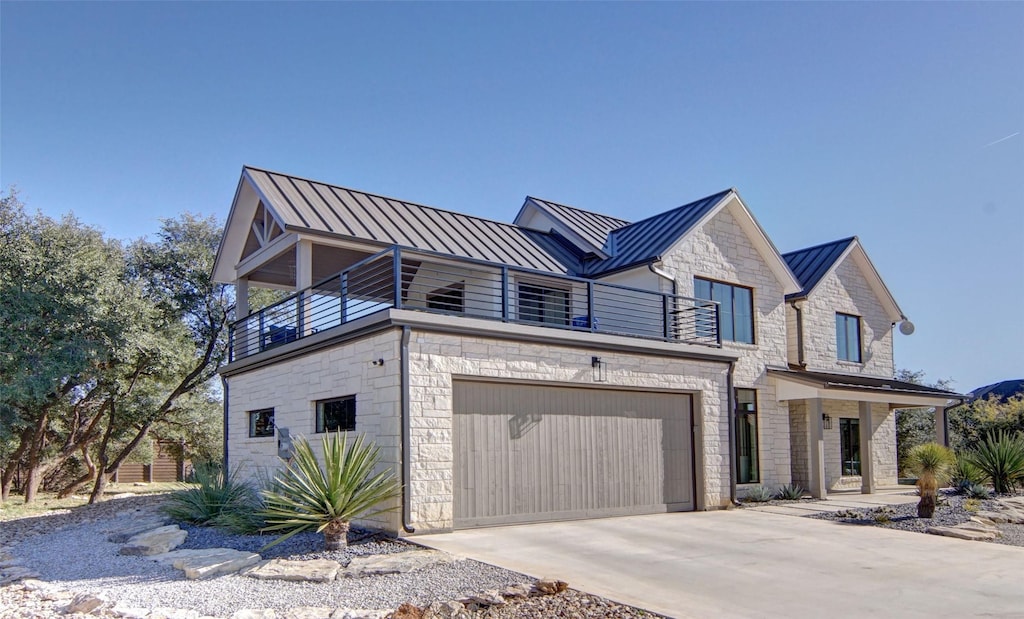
(548, 586)
(398, 563)
(157, 541)
(173, 613)
(360, 613)
(14, 573)
(446, 610)
(129, 530)
(487, 598)
(407, 611)
(128, 612)
(961, 533)
(249, 613)
(316, 570)
(207, 563)
(514, 592)
(84, 603)
(307, 612)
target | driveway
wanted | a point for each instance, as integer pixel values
(743, 563)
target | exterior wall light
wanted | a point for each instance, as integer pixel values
(600, 369)
(826, 422)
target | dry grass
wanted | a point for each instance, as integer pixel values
(48, 503)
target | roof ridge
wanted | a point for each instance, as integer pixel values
(576, 208)
(383, 197)
(820, 245)
(672, 210)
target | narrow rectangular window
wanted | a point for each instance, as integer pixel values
(450, 299)
(849, 446)
(336, 414)
(747, 469)
(261, 423)
(848, 338)
(735, 308)
(542, 304)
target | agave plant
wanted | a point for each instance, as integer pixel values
(218, 500)
(965, 474)
(1001, 457)
(790, 492)
(308, 497)
(932, 464)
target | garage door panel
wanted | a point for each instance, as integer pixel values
(533, 453)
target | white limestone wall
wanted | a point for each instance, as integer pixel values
(292, 388)
(435, 358)
(846, 290)
(721, 250)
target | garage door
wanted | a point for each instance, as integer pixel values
(529, 453)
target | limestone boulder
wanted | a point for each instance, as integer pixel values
(208, 562)
(316, 570)
(127, 530)
(157, 541)
(398, 563)
(962, 533)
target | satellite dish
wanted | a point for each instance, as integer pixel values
(906, 327)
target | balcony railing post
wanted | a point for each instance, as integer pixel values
(398, 278)
(344, 296)
(300, 311)
(504, 294)
(590, 307)
(718, 324)
(231, 343)
(263, 342)
(666, 317)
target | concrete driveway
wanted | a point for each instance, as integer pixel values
(743, 563)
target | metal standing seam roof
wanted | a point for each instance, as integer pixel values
(648, 239)
(312, 205)
(593, 227)
(811, 264)
(865, 383)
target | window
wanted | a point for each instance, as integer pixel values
(849, 445)
(746, 437)
(449, 299)
(848, 338)
(336, 414)
(261, 423)
(736, 308)
(543, 304)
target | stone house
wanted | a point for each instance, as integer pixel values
(567, 365)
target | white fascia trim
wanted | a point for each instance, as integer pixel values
(864, 264)
(238, 226)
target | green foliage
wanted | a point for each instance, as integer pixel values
(308, 497)
(965, 474)
(758, 494)
(217, 500)
(882, 514)
(790, 492)
(1001, 457)
(970, 424)
(972, 504)
(976, 491)
(915, 426)
(931, 460)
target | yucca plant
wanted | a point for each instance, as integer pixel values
(308, 497)
(1001, 457)
(932, 464)
(216, 499)
(790, 492)
(965, 474)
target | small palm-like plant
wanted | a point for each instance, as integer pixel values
(1001, 457)
(932, 464)
(308, 497)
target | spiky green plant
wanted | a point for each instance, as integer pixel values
(758, 494)
(931, 463)
(790, 492)
(216, 500)
(308, 497)
(965, 474)
(1001, 457)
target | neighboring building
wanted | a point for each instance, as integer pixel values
(167, 464)
(568, 365)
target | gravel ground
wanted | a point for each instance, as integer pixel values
(71, 551)
(949, 512)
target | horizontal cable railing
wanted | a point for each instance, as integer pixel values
(421, 281)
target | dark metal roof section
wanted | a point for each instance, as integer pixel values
(310, 205)
(593, 227)
(1002, 391)
(810, 265)
(863, 383)
(646, 240)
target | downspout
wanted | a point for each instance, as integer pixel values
(662, 273)
(731, 403)
(799, 333)
(406, 433)
(224, 386)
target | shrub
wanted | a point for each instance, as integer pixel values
(972, 505)
(217, 500)
(965, 474)
(790, 492)
(976, 491)
(883, 514)
(1001, 457)
(758, 494)
(931, 463)
(308, 497)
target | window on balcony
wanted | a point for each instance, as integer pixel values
(261, 423)
(736, 308)
(849, 445)
(450, 299)
(848, 338)
(543, 304)
(336, 414)
(747, 469)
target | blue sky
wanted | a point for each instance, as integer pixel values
(900, 123)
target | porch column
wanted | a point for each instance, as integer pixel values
(941, 436)
(303, 280)
(867, 450)
(816, 409)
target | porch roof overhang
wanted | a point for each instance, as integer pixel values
(793, 384)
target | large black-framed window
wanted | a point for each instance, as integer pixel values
(849, 446)
(736, 308)
(336, 414)
(543, 304)
(261, 423)
(848, 337)
(747, 466)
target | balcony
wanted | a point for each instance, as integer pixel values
(400, 278)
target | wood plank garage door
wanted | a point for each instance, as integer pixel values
(530, 453)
